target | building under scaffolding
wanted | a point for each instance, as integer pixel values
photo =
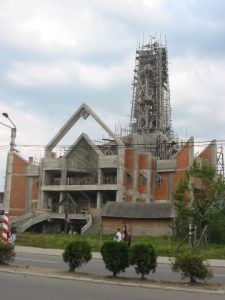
(142, 167)
(151, 111)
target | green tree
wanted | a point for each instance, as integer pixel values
(199, 195)
(7, 253)
(115, 256)
(144, 258)
(76, 254)
(191, 266)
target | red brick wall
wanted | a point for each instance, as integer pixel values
(177, 176)
(129, 168)
(129, 158)
(142, 188)
(18, 186)
(35, 187)
(161, 191)
(183, 162)
(182, 157)
(142, 161)
(208, 153)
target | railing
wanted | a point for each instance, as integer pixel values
(32, 221)
(87, 225)
(85, 180)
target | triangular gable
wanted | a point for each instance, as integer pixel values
(184, 157)
(209, 153)
(88, 140)
(83, 111)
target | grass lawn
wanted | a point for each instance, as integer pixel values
(164, 246)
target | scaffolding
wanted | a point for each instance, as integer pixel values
(220, 161)
(151, 111)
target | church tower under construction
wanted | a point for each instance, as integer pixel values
(99, 186)
(151, 111)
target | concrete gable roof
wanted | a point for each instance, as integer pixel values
(88, 140)
(155, 210)
(83, 111)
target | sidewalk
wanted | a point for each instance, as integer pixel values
(97, 255)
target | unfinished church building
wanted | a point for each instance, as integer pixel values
(128, 179)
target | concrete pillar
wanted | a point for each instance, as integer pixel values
(99, 176)
(170, 186)
(191, 150)
(61, 207)
(63, 172)
(148, 175)
(41, 183)
(135, 179)
(28, 204)
(120, 176)
(99, 199)
(8, 181)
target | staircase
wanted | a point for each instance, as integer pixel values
(22, 223)
(96, 226)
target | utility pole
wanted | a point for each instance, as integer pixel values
(9, 163)
(65, 204)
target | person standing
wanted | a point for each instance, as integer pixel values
(118, 236)
(13, 233)
(125, 233)
(129, 238)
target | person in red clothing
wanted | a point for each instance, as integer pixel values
(129, 238)
(125, 233)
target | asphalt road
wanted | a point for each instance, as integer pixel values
(97, 266)
(21, 287)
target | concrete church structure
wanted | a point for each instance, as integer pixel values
(127, 179)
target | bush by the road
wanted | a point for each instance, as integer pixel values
(115, 256)
(144, 259)
(191, 266)
(7, 253)
(76, 254)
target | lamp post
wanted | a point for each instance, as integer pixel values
(9, 164)
(13, 132)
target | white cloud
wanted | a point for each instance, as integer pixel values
(101, 76)
(68, 73)
(198, 96)
(25, 74)
(136, 10)
(199, 109)
(198, 83)
(77, 26)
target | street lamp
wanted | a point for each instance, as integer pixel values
(13, 131)
(9, 164)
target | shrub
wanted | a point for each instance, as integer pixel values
(76, 254)
(191, 266)
(144, 258)
(7, 253)
(115, 256)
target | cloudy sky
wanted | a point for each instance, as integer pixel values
(56, 55)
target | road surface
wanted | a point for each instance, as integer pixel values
(97, 266)
(22, 287)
